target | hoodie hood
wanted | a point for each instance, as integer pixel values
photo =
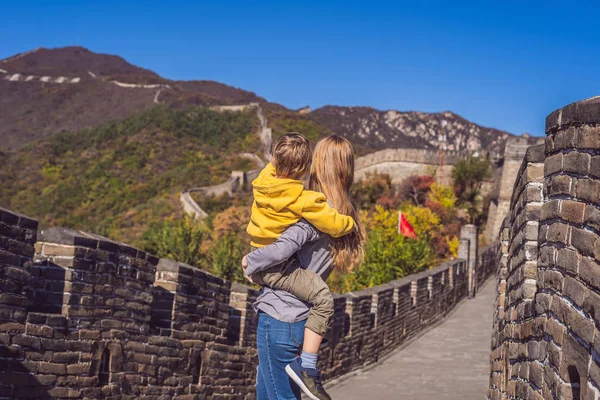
(275, 193)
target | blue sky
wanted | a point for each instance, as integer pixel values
(500, 64)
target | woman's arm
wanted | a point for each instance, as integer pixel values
(283, 248)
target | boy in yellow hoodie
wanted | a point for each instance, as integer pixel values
(279, 202)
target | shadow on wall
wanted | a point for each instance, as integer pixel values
(47, 288)
(180, 306)
(167, 323)
(575, 382)
(109, 320)
(16, 378)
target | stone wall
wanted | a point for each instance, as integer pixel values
(82, 316)
(403, 163)
(546, 339)
(264, 132)
(238, 180)
(505, 176)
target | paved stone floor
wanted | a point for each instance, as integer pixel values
(449, 362)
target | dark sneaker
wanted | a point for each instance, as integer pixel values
(309, 380)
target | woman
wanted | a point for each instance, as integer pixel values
(281, 315)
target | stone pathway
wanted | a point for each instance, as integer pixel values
(449, 362)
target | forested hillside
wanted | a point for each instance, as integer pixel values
(116, 179)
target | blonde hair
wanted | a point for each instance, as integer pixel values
(332, 173)
(291, 156)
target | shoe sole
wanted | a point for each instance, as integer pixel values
(299, 382)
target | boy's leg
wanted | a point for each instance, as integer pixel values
(307, 286)
(270, 277)
(258, 278)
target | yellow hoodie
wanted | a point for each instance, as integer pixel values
(280, 202)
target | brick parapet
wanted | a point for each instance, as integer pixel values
(544, 346)
(431, 157)
(508, 173)
(17, 238)
(100, 319)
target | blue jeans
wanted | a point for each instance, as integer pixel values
(278, 344)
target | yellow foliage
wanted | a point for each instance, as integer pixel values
(51, 171)
(382, 220)
(444, 195)
(422, 219)
(453, 245)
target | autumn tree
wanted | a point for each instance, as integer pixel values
(468, 176)
(232, 220)
(374, 189)
(416, 188)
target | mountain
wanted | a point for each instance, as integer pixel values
(89, 141)
(47, 91)
(377, 129)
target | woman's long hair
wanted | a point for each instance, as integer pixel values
(332, 173)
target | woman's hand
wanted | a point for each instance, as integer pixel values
(244, 266)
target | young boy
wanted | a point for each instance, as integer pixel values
(279, 202)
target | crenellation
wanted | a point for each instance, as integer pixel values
(555, 313)
(510, 179)
(403, 163)
(82, 316)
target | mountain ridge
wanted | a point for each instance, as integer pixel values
(47, 91)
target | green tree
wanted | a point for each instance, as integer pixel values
(226, 257)
(180, 240)
(468, 175)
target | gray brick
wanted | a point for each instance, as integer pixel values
(568, 259)
(574, 290)
(553, 164)
(566, 139)
(560, 184)
(577, 162)
(589, 271)
(592, 217)
(558, 232)
(572, 211)
(553, 280)
(595, 377)
(589, 137)
(588, 190)
(591, 306)
(583, 241)
(595, 166)
(535, 173)
(547, 255)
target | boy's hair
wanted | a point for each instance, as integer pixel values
(291, 156)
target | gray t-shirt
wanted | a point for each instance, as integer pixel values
(313, 250)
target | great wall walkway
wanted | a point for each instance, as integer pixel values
(451, 361)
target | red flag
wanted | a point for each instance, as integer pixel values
(404, 227)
